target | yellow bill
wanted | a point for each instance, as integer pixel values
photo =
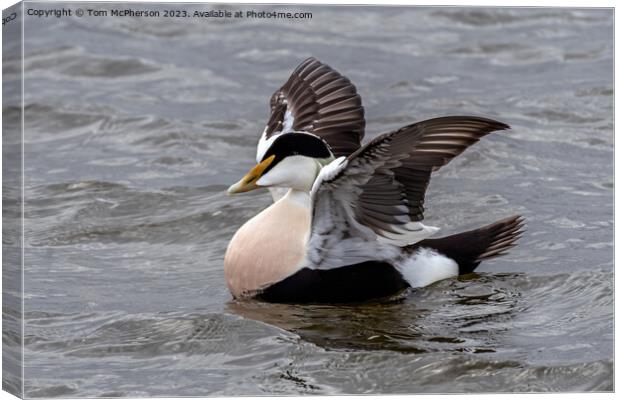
(248, 182)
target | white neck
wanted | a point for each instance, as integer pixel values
(298, 196)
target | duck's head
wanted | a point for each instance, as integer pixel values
(293, 160)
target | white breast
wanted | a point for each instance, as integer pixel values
(268, 248)
(426, 266)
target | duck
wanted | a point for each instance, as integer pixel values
(346, 224)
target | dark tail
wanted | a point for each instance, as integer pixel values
(470, 248)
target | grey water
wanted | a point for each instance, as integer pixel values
(134, 128)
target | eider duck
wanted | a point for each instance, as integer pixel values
(346, 224)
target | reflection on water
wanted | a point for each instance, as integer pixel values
(461, 315)
(134, 130)
(448, 316)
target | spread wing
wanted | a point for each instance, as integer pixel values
(319, 100)
(375, 196)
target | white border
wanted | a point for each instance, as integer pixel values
(484, 3)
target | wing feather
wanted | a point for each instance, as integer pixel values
(376, 195)
(321, 101)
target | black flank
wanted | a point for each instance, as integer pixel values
(353, 283)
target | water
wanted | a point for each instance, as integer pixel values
(134, 128)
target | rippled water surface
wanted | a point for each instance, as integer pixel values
(134, 128)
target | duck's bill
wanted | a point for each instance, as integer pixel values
(248, 182)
